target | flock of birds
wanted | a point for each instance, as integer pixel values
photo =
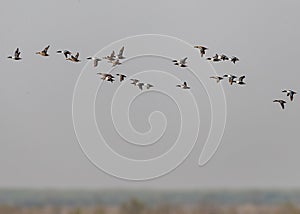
(115, 60)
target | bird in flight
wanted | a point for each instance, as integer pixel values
(74, 58)
(202, 49)
(181, 62)
(116, 62)
(16, 55)
(231, 78)
(134, 81)
(121, 77)
(240, 80)
(110, 57)
(44, 52)
(64, 52)
(148, 86)
(183, 86)
(94, 59)
(107, 77)
(281, 102)
(120, 54)
(218, 78)
(290, 93)
(215, 58)
(140, 85)
(234, 59)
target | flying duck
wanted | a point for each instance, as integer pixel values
(202, 49)
(230, 78)
(218, 78)
(215, 58)
(116, 62)
(140, 85)
(240, 81)
(95, 60)
(64, 52)
(74, 58)
(148, 86)
(181, 62)
(234, 59)
(183, 86)
(290, 93)
(110, 57)
(44, 52)
(281, 102)
(224, 57)
(122, 77)
(120, 54)
(134, 81)
(107, 77)
(16, 55)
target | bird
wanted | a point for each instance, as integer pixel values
(74, 58)
(116, 62)
(183, 86)
(110, 57)
(107, 77)
(218, 78)
(290, 93)
(240, 81)
(122, 77)
(215, 58)
(140, 85)
(44, 52)
(224, 57)
(230, 78)
(181, 62)
(234, 59)
(148, 86)
(134, 81)
(120, 54)
(281, 102)
(95, 60)
(64, 52)
(16, 55)
(202, 49)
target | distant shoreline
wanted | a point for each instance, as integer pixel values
(115, 197)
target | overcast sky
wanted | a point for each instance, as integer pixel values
(260, 147)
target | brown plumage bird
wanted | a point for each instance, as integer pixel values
(44, 52)
(202, 49)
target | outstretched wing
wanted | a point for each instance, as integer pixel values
(46, 49)
(183, 61)
(121, 51)
(17, 53)
(241, 78)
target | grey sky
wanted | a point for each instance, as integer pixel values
(260, 147)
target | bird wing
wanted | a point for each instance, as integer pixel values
(67, 53)
(121, 51)
(17, 53)
(46, 49)
(140, 85)
(241, 78)
(96, 62)
(183, 61)
(112, 55)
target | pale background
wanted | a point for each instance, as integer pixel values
(260, 148)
